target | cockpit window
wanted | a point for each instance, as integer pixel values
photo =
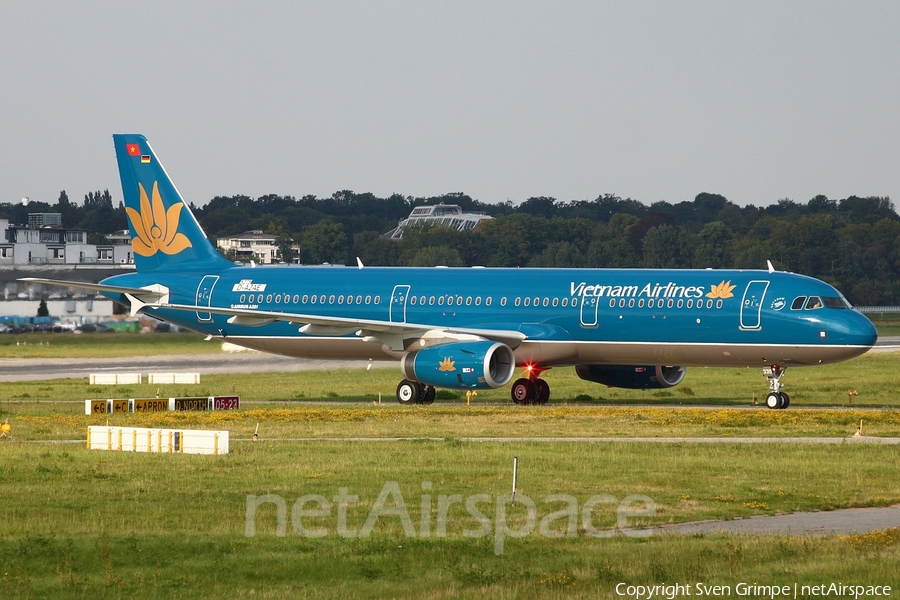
(798, 303)
(832, 302)
(813, 303)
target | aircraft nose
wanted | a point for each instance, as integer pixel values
(861, 331)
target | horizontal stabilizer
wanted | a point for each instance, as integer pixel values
(138, 298)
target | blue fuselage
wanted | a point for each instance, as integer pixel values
(568, 316)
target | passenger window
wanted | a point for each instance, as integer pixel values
(651, 303)
(269, 298)
(670, 303)
(449, 300)
(313, 299)
(431, 300)
(478, 301)
(341, 299)
(368, 299)
(440, 300)
(555, 301)
(459, 301)
(709, 304)
(641, 303)
(331, 299)
(350, 300)
(377, 299)
(612, 303)
(322, 299)
(813, 303)
(278, 299)
(243, 297)
(296, 298)
(690, 304)
(680, 303)
(502, 301)
(527, 301)
(412, 300)
(488, 300)
(305, 298)
(798, 303)
(546, 301)
(718, 304)
(565, 301)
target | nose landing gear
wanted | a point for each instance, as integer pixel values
(776, 398)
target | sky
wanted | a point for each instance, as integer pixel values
(757, 101)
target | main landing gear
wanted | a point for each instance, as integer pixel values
(530, 390)
(413, 392)
(776, 398)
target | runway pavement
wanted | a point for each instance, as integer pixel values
(844, 522)
(33, 369)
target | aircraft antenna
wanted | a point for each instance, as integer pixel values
(359, 263)
(771, 268)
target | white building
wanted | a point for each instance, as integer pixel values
(253, 245)
(23, 246)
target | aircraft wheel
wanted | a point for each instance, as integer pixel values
(773, 400)
(542, 391)
(785, 400)
(409, 392)
(523, 391)
(428, 393)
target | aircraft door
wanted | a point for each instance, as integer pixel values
(751, 305)
(204, 295)
(397, 309)
(589, 307)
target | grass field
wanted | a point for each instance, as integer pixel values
(102, 345)
(94, 524)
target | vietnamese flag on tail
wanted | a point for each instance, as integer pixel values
(133, 149)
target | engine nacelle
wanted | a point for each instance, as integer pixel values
(476, 364)
(632, 377)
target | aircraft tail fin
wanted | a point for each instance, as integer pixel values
(165, 235)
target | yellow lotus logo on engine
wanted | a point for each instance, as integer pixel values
(156, 228)
(447, 365)
(723, 290)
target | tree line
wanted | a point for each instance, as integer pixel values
(851, 243)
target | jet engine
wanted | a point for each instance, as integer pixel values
(478, 364)
(632, 377)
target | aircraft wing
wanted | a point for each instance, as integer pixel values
(389, 333)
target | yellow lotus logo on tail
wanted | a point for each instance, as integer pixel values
(723, 290)
(156, 228)
(446, 365)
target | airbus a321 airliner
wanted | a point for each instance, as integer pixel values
(469, 328)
